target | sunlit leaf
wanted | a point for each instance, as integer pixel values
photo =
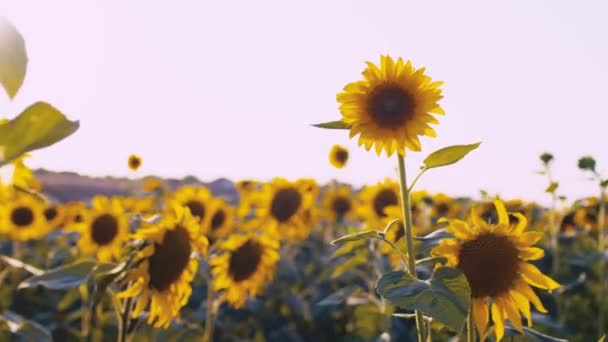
(445, 297)
(432, 239)
(20, 264)
(552, 187)
(339, 124)
(448, 155)
(38, 126)
(350, 264)
(13, 58)
(61, 278)
(356, 236)
(349, 247)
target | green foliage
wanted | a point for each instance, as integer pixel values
(38, 126)
(339, 124)
(552, 187)
(13, 58)
(448, 155)
(356, 236)
(62, 278)
(587, 163)
(445, 297)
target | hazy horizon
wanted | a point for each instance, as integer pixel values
(195, 93)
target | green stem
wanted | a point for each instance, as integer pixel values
(601, 248)
(409, 239)
(470, 325)
(554, 233)
(86, 314)
(123, 324)
(210, 321)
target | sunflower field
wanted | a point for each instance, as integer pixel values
(292, 259)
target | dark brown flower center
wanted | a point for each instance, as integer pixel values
(383, 199)
(399, 230)
(134, 163)
(490, 263)
(443, 209)
(568, 222)
(104, 229)
(244, 261)
(341, 156)
(285, 204)
(50, 213)
(390, 106)
(218, 219)
(197, 209)
(341, 206)
(170, 258)
(22, 217)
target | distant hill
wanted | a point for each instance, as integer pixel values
(71, 186)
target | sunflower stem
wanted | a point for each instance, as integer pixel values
(123, 324)
(409, 238)
(86, 313)
(553, 224)
(601, 248)
(210, 321)
(470, 325)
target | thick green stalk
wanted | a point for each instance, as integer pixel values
(409, 239)
(470, 325)
(602, 272)
(125, 318)
(210, 321)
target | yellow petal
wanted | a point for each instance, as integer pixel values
(525, 289)
(510, 309)
(523, 304)
(503, 217)
(528, 239)
(522, 222)
(498, 319)
(531, 253)
(481, 315)
(460, 230)
(535, 277)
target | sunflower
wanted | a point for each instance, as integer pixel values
(104, 229)
(74, 213)
(308, 185)
(220, 220)
(568, 225)
(246, 189)
(494, 258)
(166, 266)
(283, 208)
(391, 107)
(134, 162)
(444, 206)
(338, 156)
(22, 216)
(338, 204)
(374, 199)
(196, 199)
(54, 215)
(246, 263)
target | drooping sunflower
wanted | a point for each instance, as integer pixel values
(134, 162)
(374, 199)
(494, 258)
(196, 199)
(220, 221)
(166, 266)
(22, 217)
(338, 156)
(54, 215)
(338, 204)
(104, 229)
(246, 263)
(391, 107)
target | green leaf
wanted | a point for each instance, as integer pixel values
(13, 58)
(432, 239)
(552, 187)
(349, 247)
(350, 264)
(25, 330)
(448, 155)
(20, 264)
(602, 339)
(38, 126)
(104, 275)
(333, 125)
(445, 297)
(62, 278)
(356, 236)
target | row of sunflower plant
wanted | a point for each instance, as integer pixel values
(291, 260)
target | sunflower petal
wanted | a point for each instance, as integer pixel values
(499, 321)
(535, 277)
(481, 315)
(523, 304)
(522, 287)
(531, 253)
(503, 217)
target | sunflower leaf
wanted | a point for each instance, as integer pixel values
(62, 278)
(552, 187)
(356, 236)
(13, 58)
(38, 126)
(448, 155)
(23, 329)
(445, 297)
(339, 124)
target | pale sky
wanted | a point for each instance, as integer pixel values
(228, 89)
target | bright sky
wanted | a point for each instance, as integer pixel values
(227, 89)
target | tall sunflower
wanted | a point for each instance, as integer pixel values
(338, 156)
(391, 107)
(166, 266)
(22, 216)
(338, 204)
(374, 199)
(196, 199)
(283, 208)
(494, 258)
(104, 229)
(246, 263)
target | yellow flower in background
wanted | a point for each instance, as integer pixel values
(134, 162)
(22, 216)
(246, 189)
(246, 263)
(494, 258)
(104, 229)
(74, 213)
(54, 216)
(220, 221)
(391, 107)
(23, 176)
(167, 266)
(374, 199)
(308, 185)
(395, 234)
(338, 204)
(338, 156)
(196, 199)
(444, 206)
(282, 208)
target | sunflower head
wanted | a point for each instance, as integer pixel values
(338, 156)
(246, 263)
(196, 199)
(219, 223)
(134, 162)
(494, 259)
(338, 204)
(391, 107)
(166, 266)
(104, 229)
(54, 215)
(374, 199)
(22, 217)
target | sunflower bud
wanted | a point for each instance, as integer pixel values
(546, 158)
(586, 163)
